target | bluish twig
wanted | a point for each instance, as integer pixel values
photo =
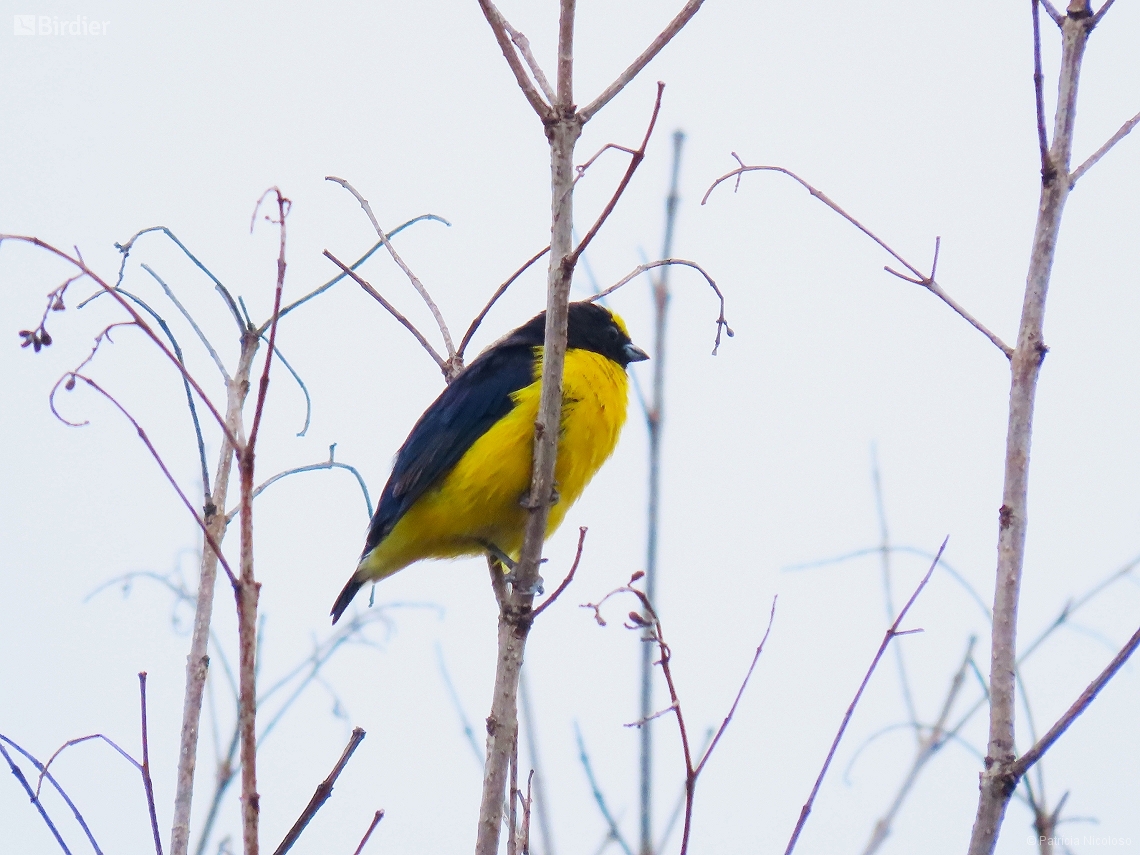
(615, 832)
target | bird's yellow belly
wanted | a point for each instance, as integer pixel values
(480, 499)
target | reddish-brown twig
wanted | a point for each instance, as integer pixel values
(371, 827)
(323, 791)
(70, 377)
(569, 576)
(636, 157)
(148, 785)
(890, 634)
(138, 319)
(499, 292)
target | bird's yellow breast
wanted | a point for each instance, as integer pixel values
(480, 499)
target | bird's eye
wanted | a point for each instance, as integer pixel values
(613, 333)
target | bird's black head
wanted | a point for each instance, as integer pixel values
(590, 327)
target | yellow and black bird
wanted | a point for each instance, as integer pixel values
(459, 481)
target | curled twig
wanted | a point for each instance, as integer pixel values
(721, 323)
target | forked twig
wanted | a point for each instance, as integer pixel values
(649, 622)
(436, 313)
(920, 278)
(891, 632)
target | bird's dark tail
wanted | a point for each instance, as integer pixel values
(345, 598)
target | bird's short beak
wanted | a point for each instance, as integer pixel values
(633, 353)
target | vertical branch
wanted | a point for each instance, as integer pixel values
(248, 589)
(998, 780)
(198, 661)
(654, 420)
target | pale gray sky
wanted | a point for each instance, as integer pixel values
(917, 118)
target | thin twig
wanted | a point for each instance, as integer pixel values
(502, 289)
(18, 774)
(400, 262)
(213, 543)
(323, 791)
(1047, 170)
(920, 278)
(144, 767)
(891, 632)
(1124, 131)
(523, 44)
(721, 322)
(371, 827)
(888, 596)
(408, 325)
(569, 576)
(322, 288)
(313, 467)
(599, 799)
(170, 295)
(636, 157)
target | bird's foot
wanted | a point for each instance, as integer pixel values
(525, 500)
(512, 580)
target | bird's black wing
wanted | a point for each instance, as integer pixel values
(466, 409)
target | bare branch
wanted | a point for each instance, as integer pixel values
(919, 277)
(324, 790)
(721, 323)
(399, 261)
(1026, 760)
(655, 47)
(891, 632)
(1124, 131)
(997, 781)
(408, 325)
(502, 31)
(523, 45)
